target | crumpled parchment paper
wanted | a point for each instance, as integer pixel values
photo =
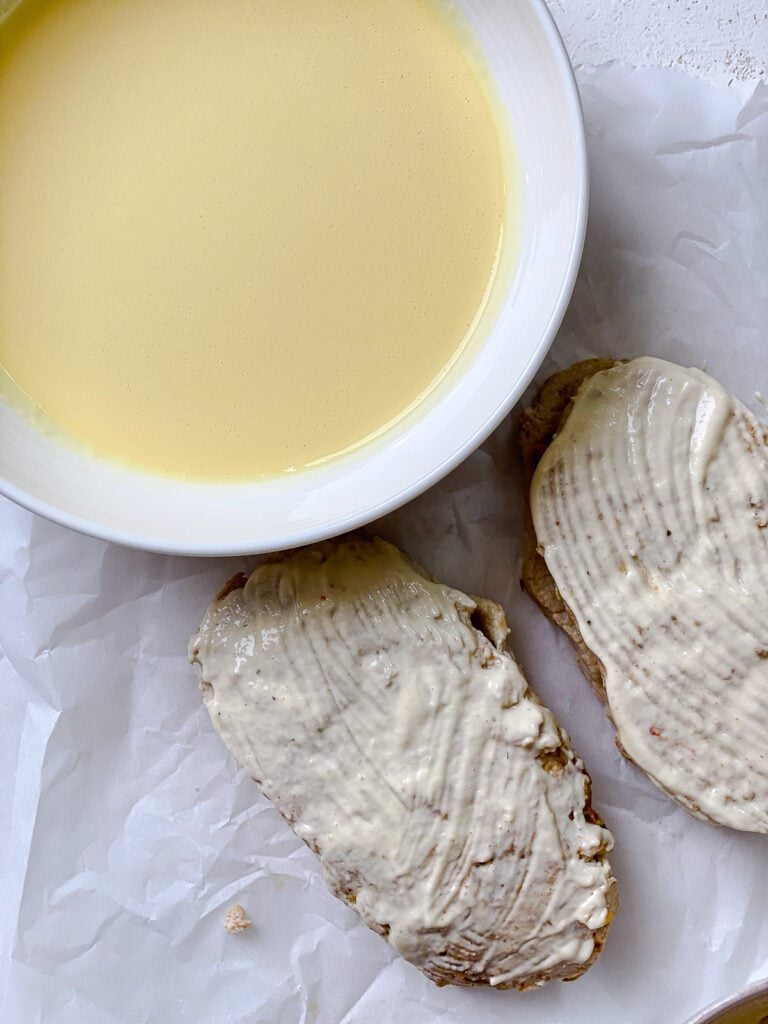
(126, 828)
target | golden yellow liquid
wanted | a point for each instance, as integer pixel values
(239, 236)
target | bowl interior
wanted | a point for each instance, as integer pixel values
(538, 108)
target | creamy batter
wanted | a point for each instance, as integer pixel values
(239, 236)
(405, 746)
(651, 509)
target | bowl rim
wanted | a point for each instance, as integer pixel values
(710, 1013)
(311, 534)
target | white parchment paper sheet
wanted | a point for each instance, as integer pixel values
(127, 829)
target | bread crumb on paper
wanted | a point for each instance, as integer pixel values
(237, 920)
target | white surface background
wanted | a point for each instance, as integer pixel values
(126, 829)
(719, 40)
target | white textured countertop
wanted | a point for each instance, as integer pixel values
(720, 40)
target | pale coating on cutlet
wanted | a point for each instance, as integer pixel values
(650, 509)
(379, 711)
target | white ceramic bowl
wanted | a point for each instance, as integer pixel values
(751, 1007)
(539, 107)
